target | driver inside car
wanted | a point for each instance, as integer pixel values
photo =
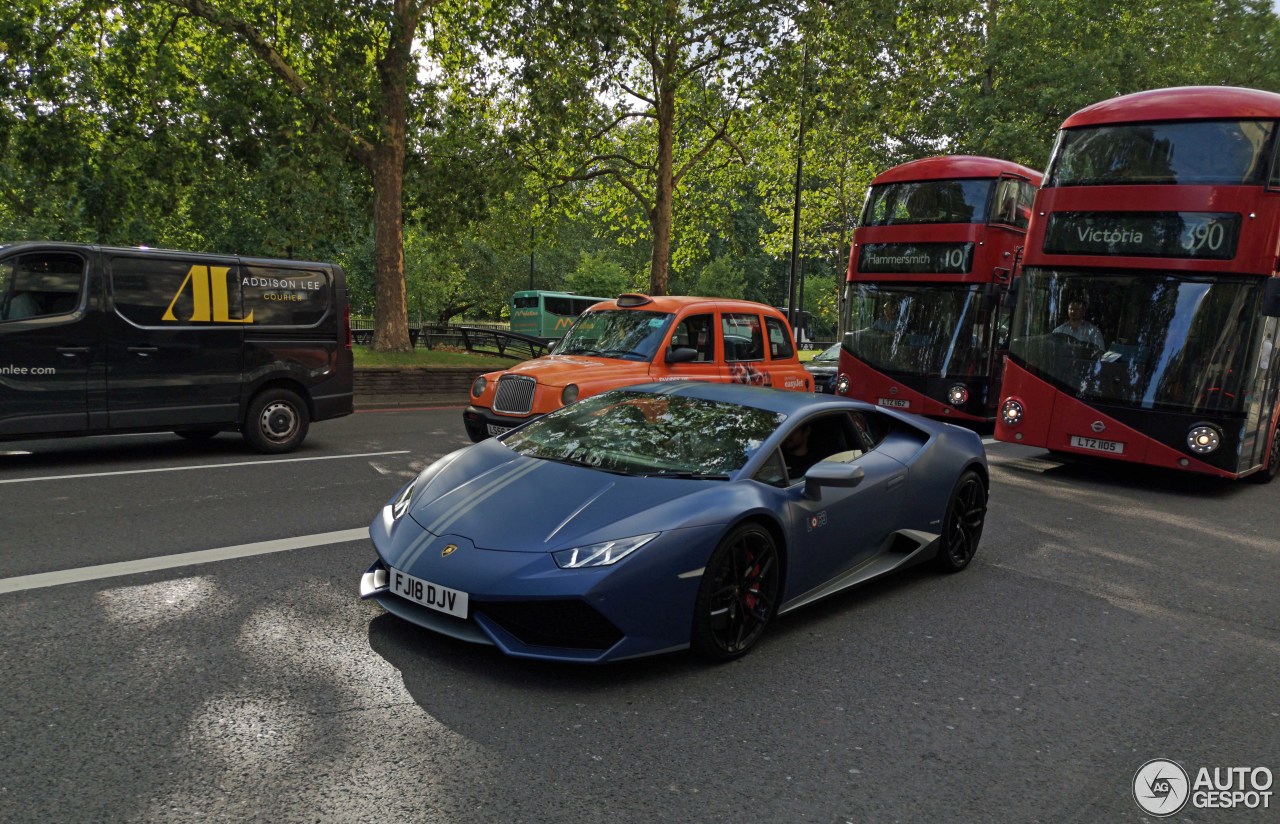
(1079, 328)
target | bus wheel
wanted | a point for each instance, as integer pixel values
(276, 422)
(1272, 467)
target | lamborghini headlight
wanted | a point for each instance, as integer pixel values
(401, 503)
(604, 553)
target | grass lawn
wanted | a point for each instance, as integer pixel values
(366, 358)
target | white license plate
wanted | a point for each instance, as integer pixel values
(495, 431)
(896, 403)
(1110, 447)
(449, 601)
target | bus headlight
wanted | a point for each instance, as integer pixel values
(958, 395)
(842, 385)
(569, 395)
(477, 388)
(1203, 439)
(1011, 412)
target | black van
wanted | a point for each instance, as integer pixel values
(97, 340)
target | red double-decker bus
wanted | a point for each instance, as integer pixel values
(1147, 303)
(931, 258)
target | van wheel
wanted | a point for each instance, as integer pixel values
(277, 421)
(197, 434)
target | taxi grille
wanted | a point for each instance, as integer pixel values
(514, 395)
(570, 624)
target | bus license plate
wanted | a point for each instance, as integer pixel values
(495, 431)
(1110, 447)
(895, 403)
(442, 599)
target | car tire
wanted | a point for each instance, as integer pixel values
(197, 434)
(962, 525)
(277, 421)
(738, 596)
(1268, 473)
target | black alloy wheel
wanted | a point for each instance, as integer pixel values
(962, 526)
(738, 596)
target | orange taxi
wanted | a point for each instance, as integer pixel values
(638, 339)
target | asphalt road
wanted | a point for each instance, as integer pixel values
(1112, 616)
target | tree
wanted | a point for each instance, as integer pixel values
(640, 92)
(356, 70)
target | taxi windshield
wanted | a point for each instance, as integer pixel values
(639, 433)
(624, 334)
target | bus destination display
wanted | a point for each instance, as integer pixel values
(916, 258)
(1204, 235)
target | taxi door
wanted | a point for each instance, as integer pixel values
(49, 341)
(691, 353)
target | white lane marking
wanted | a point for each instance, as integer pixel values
(200, 466)
(204, 556)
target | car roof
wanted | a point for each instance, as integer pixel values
(674, 303)
(759, 397)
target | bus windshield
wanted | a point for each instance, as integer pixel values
(1202, 152)
(1150, 340)
(928, 201)
(933, 330)
(625, 334)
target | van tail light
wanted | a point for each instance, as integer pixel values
(347, 321)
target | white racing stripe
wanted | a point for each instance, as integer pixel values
(199, 466)
(205, 556)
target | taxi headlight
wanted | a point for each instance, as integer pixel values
(842, 384)
(1011, 412)
(569, 395)
(958, 395)
(604, 553)
(477, 388)
(1203, 439)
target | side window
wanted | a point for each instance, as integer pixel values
(1026, 199)
(780, 346)
(870, 428)
(1008, 206)
(174, 292)
(773, 473)
(743, 337)
(40, 284)
(696, 332)
(285, 297)
(825, 438)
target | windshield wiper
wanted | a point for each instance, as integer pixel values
(624, 353)
(687, 476)
(595, 352)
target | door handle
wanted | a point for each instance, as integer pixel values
(73, 351)
(143, 351)
(896, 480)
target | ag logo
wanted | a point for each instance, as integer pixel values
(1161, 787)
(449, 550)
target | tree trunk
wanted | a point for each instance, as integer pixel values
(660, 216)
(390, 314)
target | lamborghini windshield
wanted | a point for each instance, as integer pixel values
(638, 433)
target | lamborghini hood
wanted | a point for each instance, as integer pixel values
(503, 501)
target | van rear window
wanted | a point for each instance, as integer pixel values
(285, 297)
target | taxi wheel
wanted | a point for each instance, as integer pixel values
(738, 596)
(962, 526)
(276, 422)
